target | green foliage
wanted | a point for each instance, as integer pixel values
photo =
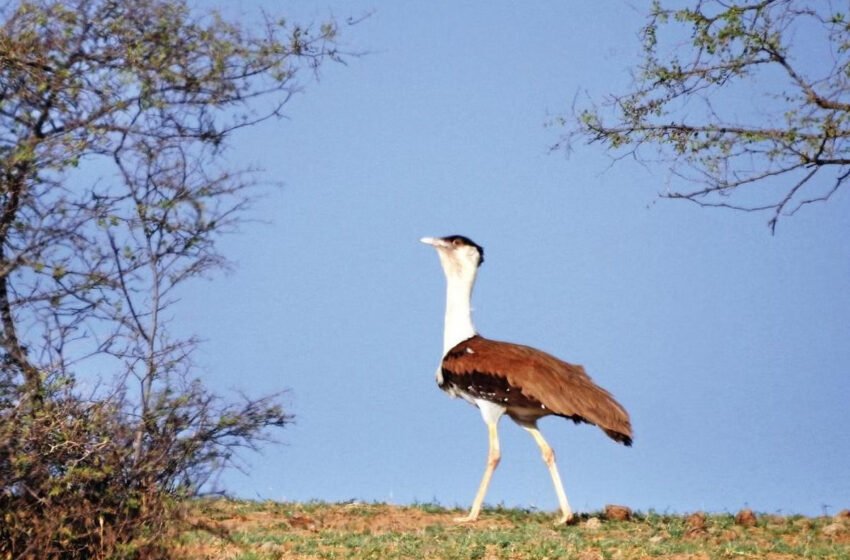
(747, 100)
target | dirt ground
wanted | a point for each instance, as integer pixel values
(259, 531)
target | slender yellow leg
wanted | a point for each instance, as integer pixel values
(493, 456)
(549, 459)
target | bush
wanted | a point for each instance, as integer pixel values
(146, 94)
(70, 489)
(78, 481)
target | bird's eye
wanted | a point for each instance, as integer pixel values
(457, 242)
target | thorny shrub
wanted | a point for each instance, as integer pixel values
(69, 486)
(72, 486)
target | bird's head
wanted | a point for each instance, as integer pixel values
(459, 255)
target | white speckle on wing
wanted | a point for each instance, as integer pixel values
(469, 350)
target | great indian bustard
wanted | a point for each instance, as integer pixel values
(504, 378)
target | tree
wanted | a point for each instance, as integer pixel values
(148, 93)
(748, 101)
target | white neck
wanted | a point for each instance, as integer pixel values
(458, 325)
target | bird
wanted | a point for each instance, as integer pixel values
(504, 378)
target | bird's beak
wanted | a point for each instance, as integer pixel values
(433, 241)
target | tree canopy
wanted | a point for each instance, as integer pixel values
(748, 102)
(144, 95)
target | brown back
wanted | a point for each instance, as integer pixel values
(521, 376)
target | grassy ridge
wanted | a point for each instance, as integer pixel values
(260, 531)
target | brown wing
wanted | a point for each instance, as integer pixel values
(526, 380)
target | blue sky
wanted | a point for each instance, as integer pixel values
(728, 346)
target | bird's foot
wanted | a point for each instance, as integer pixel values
(566, 518)
(466, 518)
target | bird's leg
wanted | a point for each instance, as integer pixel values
(493, 456)
(549, 459)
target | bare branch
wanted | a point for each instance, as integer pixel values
(678, 105)
(151, 92)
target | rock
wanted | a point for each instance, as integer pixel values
(804, 524)
(834, 529)
(617, 513)
(729, 535)
(696, 520)
(696, 524)
(302, 522)
(593, 524)
(746, 518)
(655, 539)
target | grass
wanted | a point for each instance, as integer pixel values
(242, 530)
